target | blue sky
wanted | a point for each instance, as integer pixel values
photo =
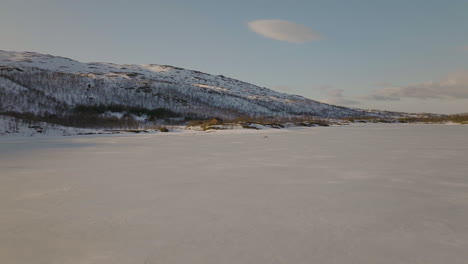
(398, 55)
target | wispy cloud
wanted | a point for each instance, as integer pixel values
(284, 31)
(324, 87)
(336, 97)
(453, 86)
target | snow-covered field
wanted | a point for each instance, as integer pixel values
(354, 194)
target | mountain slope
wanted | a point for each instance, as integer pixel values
(46, 85)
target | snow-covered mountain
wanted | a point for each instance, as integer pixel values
(45, 85)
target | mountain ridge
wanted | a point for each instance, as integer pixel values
(44, 85)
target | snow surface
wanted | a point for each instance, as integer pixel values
(367, 193)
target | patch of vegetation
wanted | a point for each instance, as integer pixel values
(312, 123)
(153, 114)
(78, 120)
(273, 122)
(249, 126)
(369, 119)
(211, 124)
(252, 122)
(136, 131)
(460, 119)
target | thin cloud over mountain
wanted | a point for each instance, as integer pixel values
(336, 97)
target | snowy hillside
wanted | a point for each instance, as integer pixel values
(48, 87)
(10, 126)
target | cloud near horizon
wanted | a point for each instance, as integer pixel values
(284, 31)
(336, 97)
(453, 86)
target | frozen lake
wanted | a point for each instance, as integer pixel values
(358, 194)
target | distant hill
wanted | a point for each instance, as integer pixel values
(71, 93)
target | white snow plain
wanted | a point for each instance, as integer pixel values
(382, 193)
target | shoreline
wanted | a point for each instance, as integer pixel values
(197, 130)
